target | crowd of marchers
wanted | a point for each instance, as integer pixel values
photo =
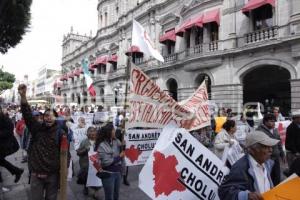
(38, 131)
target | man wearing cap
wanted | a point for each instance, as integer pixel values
(250, 176)
(268, 127)
(292, 143)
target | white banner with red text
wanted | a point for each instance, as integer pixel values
(152, 107)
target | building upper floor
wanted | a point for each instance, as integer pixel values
(181, 30)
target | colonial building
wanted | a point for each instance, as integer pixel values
(246, 50)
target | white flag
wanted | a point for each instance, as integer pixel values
(141, 39)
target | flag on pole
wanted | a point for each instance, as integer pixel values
(141, 39)
(87, 76)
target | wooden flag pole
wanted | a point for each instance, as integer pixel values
(63, 168)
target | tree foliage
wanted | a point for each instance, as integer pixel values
(6, 80)
(14, 22)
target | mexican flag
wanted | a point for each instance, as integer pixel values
(87, 76)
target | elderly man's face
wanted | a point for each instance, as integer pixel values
(261, 153)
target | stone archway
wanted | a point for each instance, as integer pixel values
(269, 85)
(173, 88)
(204, 77)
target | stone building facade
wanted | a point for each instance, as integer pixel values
(245, 50)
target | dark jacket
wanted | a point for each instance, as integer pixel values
(241, 180)
(83, 153)
(277, 149)
(44, 148)
(8, 142)
(292, 142)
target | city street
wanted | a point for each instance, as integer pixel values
(21, 191)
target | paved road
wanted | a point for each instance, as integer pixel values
(21, 190)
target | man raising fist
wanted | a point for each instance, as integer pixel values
(44, 151)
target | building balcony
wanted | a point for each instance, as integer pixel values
(261, 35)
(171, 58)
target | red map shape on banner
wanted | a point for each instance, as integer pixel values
(165, 175)
(132, 153)
(282, 133)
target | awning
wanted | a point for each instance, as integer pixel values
(182, 28)
(76, 72)
(168, 36)
(102, 60)
(71, 75)
(64, 77)
(134, 50)
(113, 58)
(91, 67)
(253, 4)
(196, 21)
(57, 84)
(212, 16)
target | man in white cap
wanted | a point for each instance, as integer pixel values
(292, 142)
(250, 176)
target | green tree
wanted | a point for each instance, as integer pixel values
(6, 80)
(14, 22)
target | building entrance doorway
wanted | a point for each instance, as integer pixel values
(269, 85)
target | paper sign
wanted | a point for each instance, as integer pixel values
(281, 127)
(101, 117)
(233, 153)
(92, 179)
(180, 167)
(139, 145)
(285, 191)
(79, 135)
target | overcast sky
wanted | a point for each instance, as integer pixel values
(41, 46)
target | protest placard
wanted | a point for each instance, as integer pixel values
(79, 134)
(92, 179)
(288, 190)
(180, 167)
(153, 108)
(139, 145)
(232, 153)
(281, 127)
(101, 117)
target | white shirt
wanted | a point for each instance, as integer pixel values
(261, 175)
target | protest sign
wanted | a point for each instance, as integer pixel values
(233, 153)
(288, 190)
(139, 145)
(88, 117)
(79, 135)
(180, 167)
(101, 117)
(282, 126)
(242, 130)
(153, 108)
(92, 179)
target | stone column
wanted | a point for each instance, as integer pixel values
(230, 96)
(295, 17)
(295, 94)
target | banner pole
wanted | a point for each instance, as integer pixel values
(63, 168)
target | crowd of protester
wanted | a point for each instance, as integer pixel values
(261, 167)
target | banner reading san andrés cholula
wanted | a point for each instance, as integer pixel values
(180, 167)
(139, 145)
(154, 108)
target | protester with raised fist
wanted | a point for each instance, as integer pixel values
(44, 150)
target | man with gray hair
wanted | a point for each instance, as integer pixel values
(250, 176)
